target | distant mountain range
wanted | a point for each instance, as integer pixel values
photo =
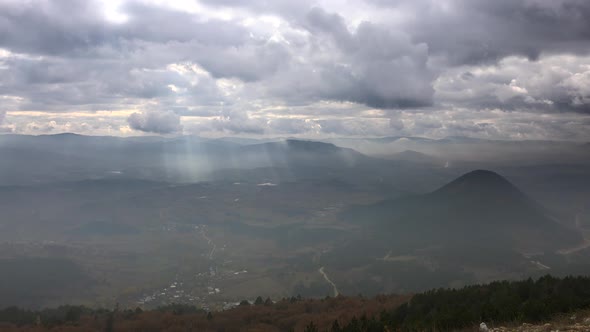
(399, 165)
(70, 157)
(300, 153)
(415, 157)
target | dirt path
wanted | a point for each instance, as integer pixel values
(325, 275)
(583, 245)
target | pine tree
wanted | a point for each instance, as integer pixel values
(311, 327)
(110, 323)
(335, 327)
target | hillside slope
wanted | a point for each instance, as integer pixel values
(501, 306)
(480, 208)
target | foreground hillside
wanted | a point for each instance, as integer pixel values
(293, 314)
(500, 306)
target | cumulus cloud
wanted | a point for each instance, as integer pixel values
(4, 129)
(373, 65)
(551, 84)
(159, 122)
(238, 123)
(352, 127)
(293, 126)
(311, 67)
(481, 31)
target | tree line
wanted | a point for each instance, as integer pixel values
(500, 302)
(496, 303)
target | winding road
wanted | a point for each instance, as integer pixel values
(325, 275)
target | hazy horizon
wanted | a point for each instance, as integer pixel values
(286, 137)
(254, 164)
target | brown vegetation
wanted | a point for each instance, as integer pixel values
(285, 315)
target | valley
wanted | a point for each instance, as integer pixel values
(309, 219)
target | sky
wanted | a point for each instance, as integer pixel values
(502, 69)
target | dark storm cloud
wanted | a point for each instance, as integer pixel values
(156, 24)
(249, 66)
(286, 8)
(160, 122)
(248, 63)
(76, 29)
(372, 66)
(56, 81)
(52, 27)
(475, 31)
(71, 26)
(383, 68)
(390, 77)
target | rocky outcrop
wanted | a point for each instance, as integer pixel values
(573, 323)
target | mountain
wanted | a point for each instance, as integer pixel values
(479, 209)
(415, 157)
(299, 153)
(188, 159)
(480, 187)
(297, 146)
